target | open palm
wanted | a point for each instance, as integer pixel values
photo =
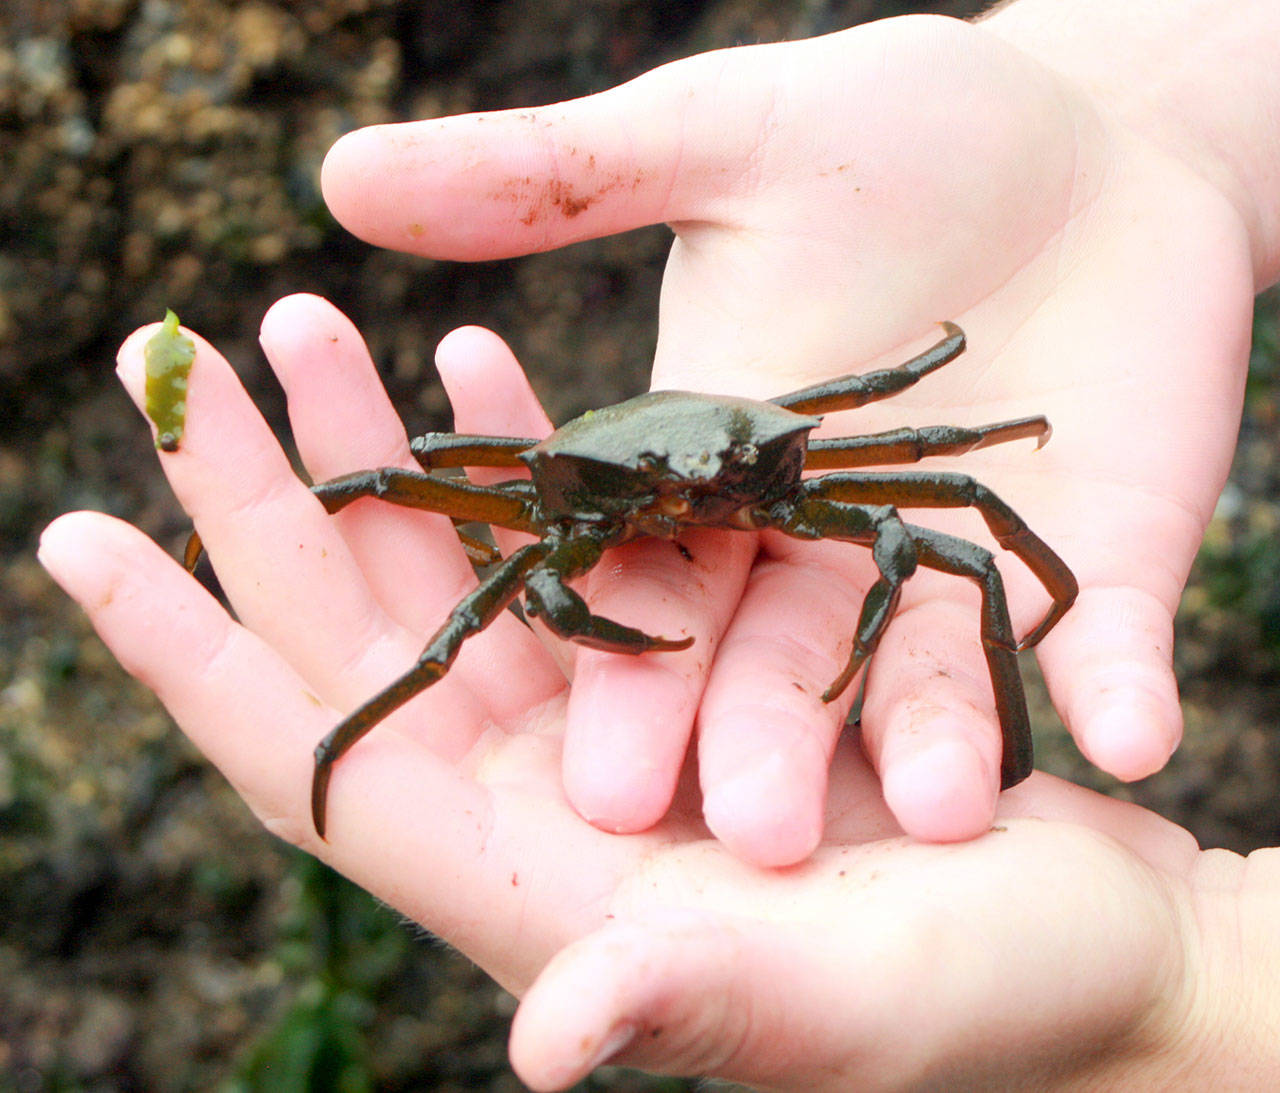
(672, 951)
(833, 199)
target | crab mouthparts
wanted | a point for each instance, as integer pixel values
(674, 505)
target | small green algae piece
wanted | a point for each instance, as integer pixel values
(168, 355)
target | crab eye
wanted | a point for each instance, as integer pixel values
(746, 453)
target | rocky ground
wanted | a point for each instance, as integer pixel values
(160, 153)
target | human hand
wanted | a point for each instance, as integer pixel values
(832, 199)
(1062, 946)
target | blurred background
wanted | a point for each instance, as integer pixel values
(165, 153)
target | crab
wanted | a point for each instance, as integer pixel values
(665, 461)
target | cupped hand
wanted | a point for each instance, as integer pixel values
(1057, 944)
(832, 200)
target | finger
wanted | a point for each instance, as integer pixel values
(1109, 669)
(222, 683)
(905, 992)
(676, 993)
(765, 735)
(532, 180)
(258, 721)
(411, 560)
(929, 720)
(491, 396)
(708, 145)
(630, 718)
(342, 421)
(280, 559)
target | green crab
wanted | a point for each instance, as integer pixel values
(668, 460)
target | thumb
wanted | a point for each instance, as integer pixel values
(681, 992)
(1039, 949)
(511, 182)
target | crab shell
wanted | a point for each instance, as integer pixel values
(690, 457)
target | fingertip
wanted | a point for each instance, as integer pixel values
(129, 359)
(299, 312)
(941, 792)
(63, 544)
(650, 993)
(314, 350)
(82, 549)
(131, 368)
(463, 343)
(1130, 740)
(487, 388)
(630, 799)
(56, 533)
(1109, 670)
(423, 187)
(769, 812)
(348, 175)
(626, 735)
(572, 1019)
(474, 354)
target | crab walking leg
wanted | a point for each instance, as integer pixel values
(476, 611)
(437, 450)
(949, 554)
(924, 489)
(892, 550)
(414, 489)
(566, 613)
(507, 505)
(912, 445)
(850, 392)
(898, 548)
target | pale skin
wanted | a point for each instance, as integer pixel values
(1084, 940)
(1081, 944)
(963, 181)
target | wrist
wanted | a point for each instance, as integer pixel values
(1217, 1024)
(1237, 913)
(1221, 1029)
(1195, 77)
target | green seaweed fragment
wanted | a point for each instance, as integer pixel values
(168, 355)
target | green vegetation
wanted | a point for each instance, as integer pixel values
(168, 354)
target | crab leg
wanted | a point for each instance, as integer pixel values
(924, 489)
(507, 505)
(566, 613)
(897, 549)
(434, 450)
(475, 611)
(850, 392)
(414, 489)
(892, 550)
(912, 445)
(949, 554)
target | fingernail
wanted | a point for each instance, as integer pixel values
(764, 814)
(619, 1038)
(942, 793)
(1128, 741)
(739, 797)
